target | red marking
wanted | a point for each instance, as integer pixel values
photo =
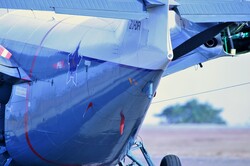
(4, 52)
(25, 79)
(59, 65)
(130, 81)
(89, 106)
(26, 119)
(34, 60)
(122, 123)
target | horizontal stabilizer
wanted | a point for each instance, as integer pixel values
(215, 10)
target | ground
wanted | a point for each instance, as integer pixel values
(199, 145)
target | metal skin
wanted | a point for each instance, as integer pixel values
(182, 30)
(81, 107)
(85, 82)
(59, 125)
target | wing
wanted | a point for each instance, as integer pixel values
(215, 10)
(99, 8)
(124, 9)
(200, 22)
(206, 30)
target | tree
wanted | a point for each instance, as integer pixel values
(192, 112)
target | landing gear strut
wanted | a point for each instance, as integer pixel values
(169, 160)
(135, 162)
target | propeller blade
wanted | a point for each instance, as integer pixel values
(199, 39)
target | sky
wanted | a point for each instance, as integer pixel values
(215, 74)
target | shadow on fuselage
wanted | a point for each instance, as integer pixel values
(5, 93)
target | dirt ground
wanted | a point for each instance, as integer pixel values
(198, 143)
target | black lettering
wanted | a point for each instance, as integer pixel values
(135, 25)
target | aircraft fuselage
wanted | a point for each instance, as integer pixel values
(92, 81)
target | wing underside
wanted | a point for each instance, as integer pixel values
(195, 11)
(121, 9)
(99, 8)
(224, 23)
(215, 10)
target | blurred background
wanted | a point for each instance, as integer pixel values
(227, 80)
(224, 86)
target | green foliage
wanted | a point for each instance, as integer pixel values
(192, 112)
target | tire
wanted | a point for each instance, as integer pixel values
(170, 160)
